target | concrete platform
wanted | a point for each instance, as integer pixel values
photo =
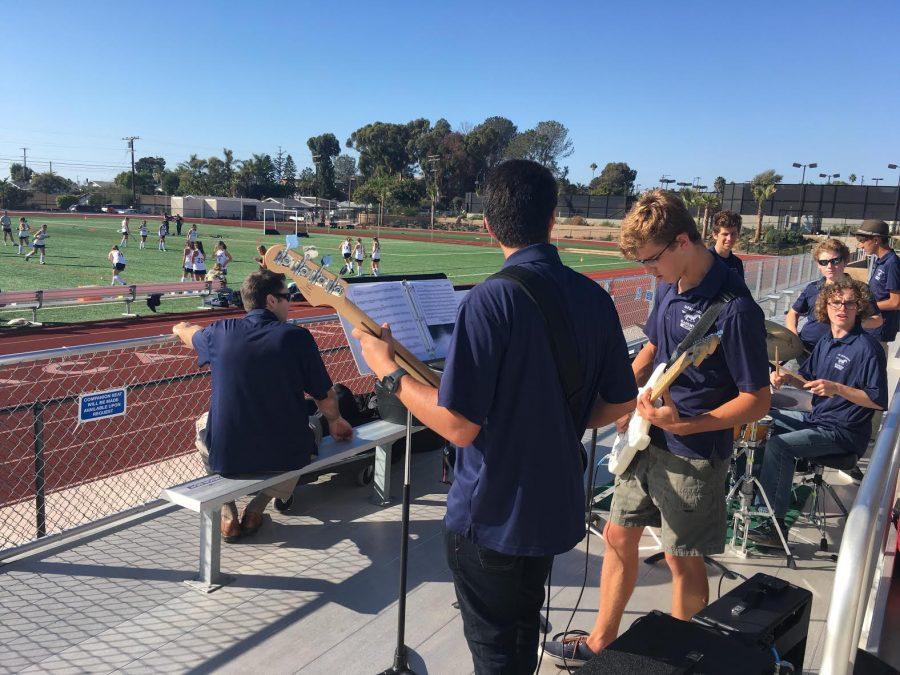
(315, 591)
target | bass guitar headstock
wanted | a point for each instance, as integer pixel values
(318, 285)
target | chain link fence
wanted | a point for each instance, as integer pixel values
(57, 474)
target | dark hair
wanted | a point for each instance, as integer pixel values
(519, 200)
(861, 293)
(726, 219)
(260, 285)
(200, 248)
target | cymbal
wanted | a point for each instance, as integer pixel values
(789, 345)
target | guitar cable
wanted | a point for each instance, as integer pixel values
(592, 463)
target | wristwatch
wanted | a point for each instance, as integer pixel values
(391, 383)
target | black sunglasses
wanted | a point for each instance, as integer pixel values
(830, 261)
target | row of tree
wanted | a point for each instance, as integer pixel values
(403, 164)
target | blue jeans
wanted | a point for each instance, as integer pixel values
(793, 438)
(500, 598)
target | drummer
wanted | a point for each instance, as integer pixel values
(847, 375)
(832, 256)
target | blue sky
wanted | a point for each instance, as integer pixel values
(686, 89)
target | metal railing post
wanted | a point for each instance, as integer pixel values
(775, 274)
(40, 505)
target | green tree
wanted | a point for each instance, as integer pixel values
(306, 182)
(617, 178)
(385, 146)
(256, 178)
(150, 165)
(11, 197)
(289, 175)
(710, 203)
(487, 143)
(229, 168)
(546, 144)
(344, 170)
(763, 187)
(51, 183)
(852, 178)
(169, 182)
(324, 149)
(65, 201)
(719, 186)
(20, 173)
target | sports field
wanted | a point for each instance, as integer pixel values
(77, 248)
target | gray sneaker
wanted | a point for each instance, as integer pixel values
(569, 650)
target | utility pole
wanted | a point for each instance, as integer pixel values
(131, 140)
(51, 168)
(432, 160)
(25, 164)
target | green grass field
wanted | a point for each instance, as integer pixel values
(77, 250)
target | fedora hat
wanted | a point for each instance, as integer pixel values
(874, 228)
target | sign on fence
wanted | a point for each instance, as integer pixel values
(99, 405)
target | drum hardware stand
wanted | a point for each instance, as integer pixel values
(401, 653)
(745, 485)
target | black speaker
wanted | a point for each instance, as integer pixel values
(657, 644)
(764, 611)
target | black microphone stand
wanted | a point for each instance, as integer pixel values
(401, 653)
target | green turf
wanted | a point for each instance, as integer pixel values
(77, 250)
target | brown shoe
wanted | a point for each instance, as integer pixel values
(251, 521)
(231, 530)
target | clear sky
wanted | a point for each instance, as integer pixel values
(681, 88)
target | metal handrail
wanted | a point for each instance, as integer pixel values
(863, 540)
(129, 343)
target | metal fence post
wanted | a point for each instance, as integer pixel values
(759, 272)
(39, 470)
(775, 275)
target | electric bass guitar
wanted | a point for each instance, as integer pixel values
(321, 287)
(637, 437)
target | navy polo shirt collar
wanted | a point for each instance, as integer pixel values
(261, 316)
(534, 253)
(711, 284)
(849, 338)
(883, 259)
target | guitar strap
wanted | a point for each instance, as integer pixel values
(545, 294)
(707, 319)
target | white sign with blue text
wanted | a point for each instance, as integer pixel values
(99, 405)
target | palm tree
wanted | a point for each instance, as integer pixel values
(763, 187)
(710, 202)
(230, 166)
(852, 178)
(690, 197)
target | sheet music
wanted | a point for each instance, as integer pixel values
(421, 315)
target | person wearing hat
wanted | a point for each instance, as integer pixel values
(874, 238)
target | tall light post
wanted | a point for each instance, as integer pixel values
(665, 182)
(829, 176)
(432, 160)
(317, 161)
(876, 181)
(897, 199)
(797, 165)
(593, 171)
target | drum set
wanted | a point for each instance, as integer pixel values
(748, 438)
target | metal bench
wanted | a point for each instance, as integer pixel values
(208, 494)
(91, 295)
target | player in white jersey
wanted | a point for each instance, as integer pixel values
(163, 233)
(125, 232)
(345, 252)
(143, 233)
(39, 245)
(376, 256)
(198, 263)
(6, 224)
(359, 254)
(117, 258)
(22, 234)
(223, 257)
(187, 267)
(193, 234)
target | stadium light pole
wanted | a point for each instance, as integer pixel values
(131, 140)
(317, 161)
(797, 165)
(876, 181)
(894, 167)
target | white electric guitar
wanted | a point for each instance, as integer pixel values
(637, 436)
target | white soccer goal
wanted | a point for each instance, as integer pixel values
(285, 221)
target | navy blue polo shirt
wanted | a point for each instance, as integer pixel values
(260, 368)
(739, 364)
(812, 331)
(518, 488)
(884, 279)
(857, 360)
(732, 261)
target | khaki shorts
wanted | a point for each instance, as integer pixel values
(279, 491)
(684, 497)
